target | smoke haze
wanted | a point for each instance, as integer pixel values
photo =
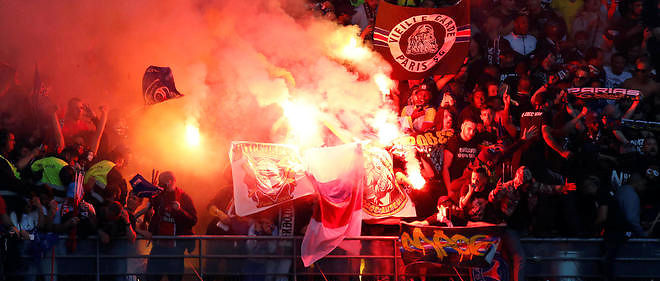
(236, 62)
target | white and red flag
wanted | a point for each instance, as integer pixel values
(266, 175)
(383, 198)
(339, 177)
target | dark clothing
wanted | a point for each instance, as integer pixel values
(115, 228)
(532, 154)
(11, 188)
(489, 135)
(169, 221)
(183, 218)
(117, 183)
(464, 153)
(478, 209)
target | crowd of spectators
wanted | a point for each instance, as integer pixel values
(517, 148)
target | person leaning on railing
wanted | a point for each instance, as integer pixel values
(172, 213)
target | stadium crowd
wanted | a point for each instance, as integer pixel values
(518, 149)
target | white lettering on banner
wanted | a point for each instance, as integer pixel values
(532, 114)
(287, 216)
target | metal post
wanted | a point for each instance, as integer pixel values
(396, 270)
(98, 261)
(293, 258)
(201, 267)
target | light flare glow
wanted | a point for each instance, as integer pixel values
(413, 169)
(192, 136)
(416, 179)
(303, 120)
(354, 50)
(384, 122)
(383, 82)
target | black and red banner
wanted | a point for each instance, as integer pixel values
(420, 42)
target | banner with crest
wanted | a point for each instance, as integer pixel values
(383, 197)
(266, 175)
(420, 42)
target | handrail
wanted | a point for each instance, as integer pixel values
(558, 251)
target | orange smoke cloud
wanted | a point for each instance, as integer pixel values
(261, 70)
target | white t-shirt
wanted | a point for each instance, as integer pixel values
(612, 80)
(29, 222)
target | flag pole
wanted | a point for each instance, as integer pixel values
(336, 132)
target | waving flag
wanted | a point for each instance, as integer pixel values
(266, 175)
(420, 42)
(144, 188)
(158, 85)
(339, 177)
(383, 197)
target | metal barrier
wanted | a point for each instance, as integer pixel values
(278, 258)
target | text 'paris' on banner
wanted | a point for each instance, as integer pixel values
(421, 42)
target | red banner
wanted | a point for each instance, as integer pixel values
(420, 42)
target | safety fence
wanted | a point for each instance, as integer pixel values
(278, 258)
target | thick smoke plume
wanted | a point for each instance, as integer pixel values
(238, 63)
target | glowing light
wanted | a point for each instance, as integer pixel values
(384, 122)
(384, 83)
(354, 51)
(193, 138)
(412, 168)
(302, 119)
(416, 179)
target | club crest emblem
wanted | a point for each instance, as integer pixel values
(272, 180)
(420, 42)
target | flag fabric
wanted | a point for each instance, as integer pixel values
(144, 188)
(471, 246)
(266, 175)
(158, 85)
(339, 178)
(421, 42)
(383, 197)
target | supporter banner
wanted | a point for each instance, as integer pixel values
(640, 124)
(425, 139)
(287, 220)
(266, 175)
(419, 42)
(604, 93)
(158, 85)
(497, 271)
(456, 246)
(383, 197)
(144, 188)
(339, 176)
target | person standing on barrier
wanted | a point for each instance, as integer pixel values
(516, 200)
(172, 214)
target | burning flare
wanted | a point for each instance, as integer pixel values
(193, 138)
(416, 179)
(303, 120)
